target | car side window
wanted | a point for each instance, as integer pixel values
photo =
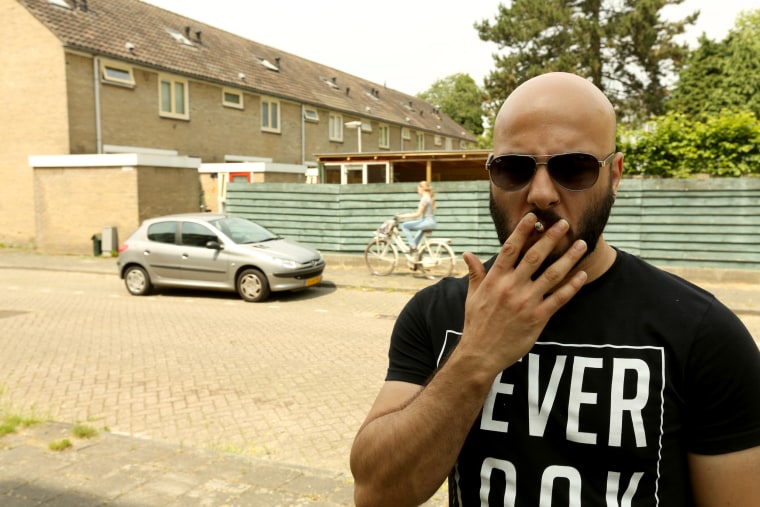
(162, 232)
(196, 235)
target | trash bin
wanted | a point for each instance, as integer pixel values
(97, 245)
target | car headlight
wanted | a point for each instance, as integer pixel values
(285, 263)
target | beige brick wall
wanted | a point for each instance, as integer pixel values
(32, 114)
(73, 203)
(167, 190)
(81, 99)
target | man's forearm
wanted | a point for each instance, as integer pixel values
(401, 457)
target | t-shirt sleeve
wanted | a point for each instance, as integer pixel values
(410, 356)
(723, 376)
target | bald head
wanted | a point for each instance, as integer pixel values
(555, 113)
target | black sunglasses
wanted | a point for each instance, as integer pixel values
(571, 171)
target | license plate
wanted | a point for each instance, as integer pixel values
(314, 280)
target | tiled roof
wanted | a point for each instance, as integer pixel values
(110, 27)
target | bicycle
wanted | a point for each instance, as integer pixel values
(434, 257)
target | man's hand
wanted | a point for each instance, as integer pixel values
(506, 309)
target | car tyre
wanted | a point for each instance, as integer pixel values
(252, 285)
(137, 281)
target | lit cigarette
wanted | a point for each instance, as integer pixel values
(539, 226)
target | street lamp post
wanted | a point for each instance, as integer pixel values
(358, 125)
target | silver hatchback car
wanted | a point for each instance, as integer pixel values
(215, 251)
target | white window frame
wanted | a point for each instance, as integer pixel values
(383, 136)
(270, 114)
(105, 77)
(420, 141)
(236, 93)
(173, 82)
(437, 140)
(311, 114)
(405, 134)
(336, 127)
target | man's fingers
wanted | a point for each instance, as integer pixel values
(476, 271)
(565, 292)
(510, 250)
(536, 254)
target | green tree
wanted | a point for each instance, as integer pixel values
(722, 75)
(626, 48)
(460, 98)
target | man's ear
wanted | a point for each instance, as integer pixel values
(616, 171)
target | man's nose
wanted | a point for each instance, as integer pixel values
(542, 192)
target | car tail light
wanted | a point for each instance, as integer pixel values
(123, 247)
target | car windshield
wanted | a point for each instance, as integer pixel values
(241, 230)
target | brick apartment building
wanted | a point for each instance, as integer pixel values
(80, 80)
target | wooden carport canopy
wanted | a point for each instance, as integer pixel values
(403, 166)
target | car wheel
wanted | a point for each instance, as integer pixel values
(137, 281)
(252, 285)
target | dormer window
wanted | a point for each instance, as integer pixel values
(269, 65)
(60, 3)
(332, 83)
(179, 37)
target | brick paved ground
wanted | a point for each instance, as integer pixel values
(288, 380)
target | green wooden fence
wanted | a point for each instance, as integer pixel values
(694, 223)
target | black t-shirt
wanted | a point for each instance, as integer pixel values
(638, 369)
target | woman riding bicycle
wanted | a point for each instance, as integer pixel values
(426, 212)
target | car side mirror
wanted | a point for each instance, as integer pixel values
(214, 245)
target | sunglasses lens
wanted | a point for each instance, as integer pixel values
(574, 171)
(511, 172)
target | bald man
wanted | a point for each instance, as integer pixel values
(563, 371)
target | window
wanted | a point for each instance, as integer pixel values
(405, 134)
(437, 140)
(420, 141)
(115, 73)
(270, 115)
(336, 127)
(196, 235)
(383, 136)
(310, 114)
(173, 98)
(232, 98)
(162, 232)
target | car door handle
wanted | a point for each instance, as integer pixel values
(185, 256)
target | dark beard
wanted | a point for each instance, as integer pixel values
(590, 229)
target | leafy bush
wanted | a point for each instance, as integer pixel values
(675, 145)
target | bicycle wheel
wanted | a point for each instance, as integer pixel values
(380, 256)
(436, 260)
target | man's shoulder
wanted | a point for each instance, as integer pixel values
(449, 289)
(641, 272)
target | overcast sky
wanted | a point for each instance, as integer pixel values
(402, 44)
